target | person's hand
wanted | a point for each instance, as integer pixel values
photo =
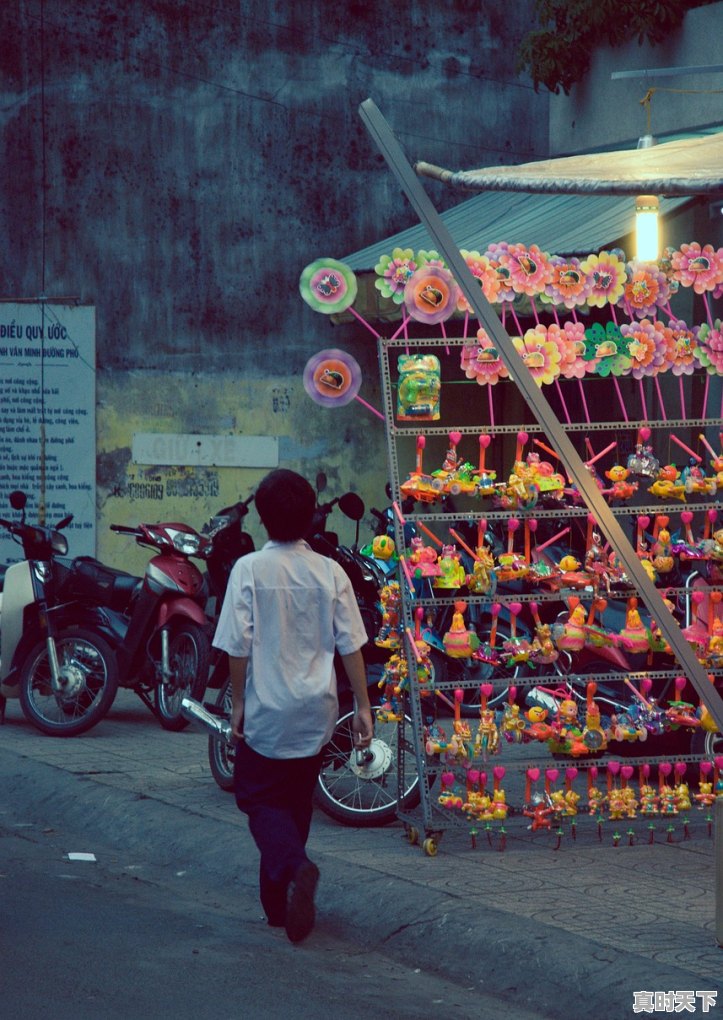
(237, 722)
(362, 727)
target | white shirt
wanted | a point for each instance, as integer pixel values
(287, 609)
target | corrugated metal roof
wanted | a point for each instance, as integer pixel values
(559, 224)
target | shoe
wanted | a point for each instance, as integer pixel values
(300, 910)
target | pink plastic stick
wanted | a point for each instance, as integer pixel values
(364, 322)
(533, 306)
(642, 399)
(584, 401)
(369, 407)
(707, 310)
(492, 406)
(693, 454)
(444, 334)
(421, 443)
(462, 542)
(616, 384)
(705, 394)
(608, 448)
(683, 415)
(408, 576)
(660, 399)
(562, 401)
(707, 445)
(549, 541)
(413, 644)
(402, 327)
(398, 514)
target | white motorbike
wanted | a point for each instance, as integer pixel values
(51, 657)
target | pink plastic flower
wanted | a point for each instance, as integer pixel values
(479, 266)
(709, 351)
(646, 348)
(682, 342)
(699, 268)
(645, 291)
(495, 254)
(481, 361)
(570, 340)
(393, 271)
(429, 258)
(540, 354)
(568, 284)
(606, 278)
(529, 268)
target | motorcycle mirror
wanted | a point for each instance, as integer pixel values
(352, 506)
(320, 482)
(388, 490)
(18, 500)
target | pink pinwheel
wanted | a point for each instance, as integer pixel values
(481, 361)
(682, 342)
(529, 268)
(699, 268)
(709, 351)
(430, 294)
(645, 291)
(484, 273)
(393, 271)
(606, 278)
(496, 253)
(646, 348)
(568, 284)
(540, 354)
(570, 339)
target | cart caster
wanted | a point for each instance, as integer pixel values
(430, 847)
(412, 835)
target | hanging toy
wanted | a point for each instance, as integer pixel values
(679, 712)
(681, 790)
(593, 735)
(572, 797)
(621, 489)
(649, 799)
(390, 599)
(668, 484)
(542, 649)
(448, 798)
(482, 580)
(595, 796)
(452, 572)
(634, 635)
(571, 635)
(705, 795)
(487, 738)
(392, 683)
(460, 643)
(418, 387)
(642, 462)
(665, 791)
(420, 486)
(511, 725)
(511, 567)
(459, 749)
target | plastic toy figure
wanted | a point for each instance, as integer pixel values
(452, 573)
(540, 815)
(487, 739)
(460, 643)
(389, 634)
(621, 488)
(668, 485)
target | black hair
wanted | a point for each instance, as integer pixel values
(285, 502)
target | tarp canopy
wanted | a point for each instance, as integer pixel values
(688, 166)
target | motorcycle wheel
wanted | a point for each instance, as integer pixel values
(88, 678)
(365, 795)
(189, 656)
(221, 753)
(710, 745)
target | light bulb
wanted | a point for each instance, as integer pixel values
(646, 227)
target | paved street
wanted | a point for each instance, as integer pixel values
(586, 924)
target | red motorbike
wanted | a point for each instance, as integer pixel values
(156, 624)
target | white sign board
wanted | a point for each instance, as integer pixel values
(47, 426)
(220, 451)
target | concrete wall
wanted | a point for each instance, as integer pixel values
(600, 112)
(177, 163)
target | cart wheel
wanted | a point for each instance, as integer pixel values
(412, 835)
(430, 847)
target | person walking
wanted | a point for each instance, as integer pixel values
(287, 610)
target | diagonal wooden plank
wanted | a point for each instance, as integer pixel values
(387, 144)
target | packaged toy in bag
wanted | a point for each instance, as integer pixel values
(418, 387)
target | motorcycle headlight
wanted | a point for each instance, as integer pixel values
(42, 571)
(186, 542)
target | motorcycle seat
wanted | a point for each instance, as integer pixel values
(90, 579)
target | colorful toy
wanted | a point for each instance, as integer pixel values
(390, 603)
(460, 643)
(418, 387)
(451, 570)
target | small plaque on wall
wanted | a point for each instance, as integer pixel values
(217, 451)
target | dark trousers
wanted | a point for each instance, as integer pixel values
(276, 794)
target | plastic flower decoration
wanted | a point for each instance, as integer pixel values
(429, 258)
(540, 354)
(328, 286)
(608, 348)
(479, 266)
(709, 351)
(496, 253)
(699, 268)
(481, 360)
(570, 340)
(606, 278)
(646, 289)
(529, 268)
(393, 271)
(430, 294)
(682, 342)
(568, 284)
(646, 347)
(665, 265)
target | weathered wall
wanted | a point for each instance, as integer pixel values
(177, 164)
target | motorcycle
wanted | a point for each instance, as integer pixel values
(54, 659)
(355, 787)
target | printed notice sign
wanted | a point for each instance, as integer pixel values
(47, 426)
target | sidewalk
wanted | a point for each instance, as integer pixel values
(574, 931)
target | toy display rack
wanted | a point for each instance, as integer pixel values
(433, 816)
